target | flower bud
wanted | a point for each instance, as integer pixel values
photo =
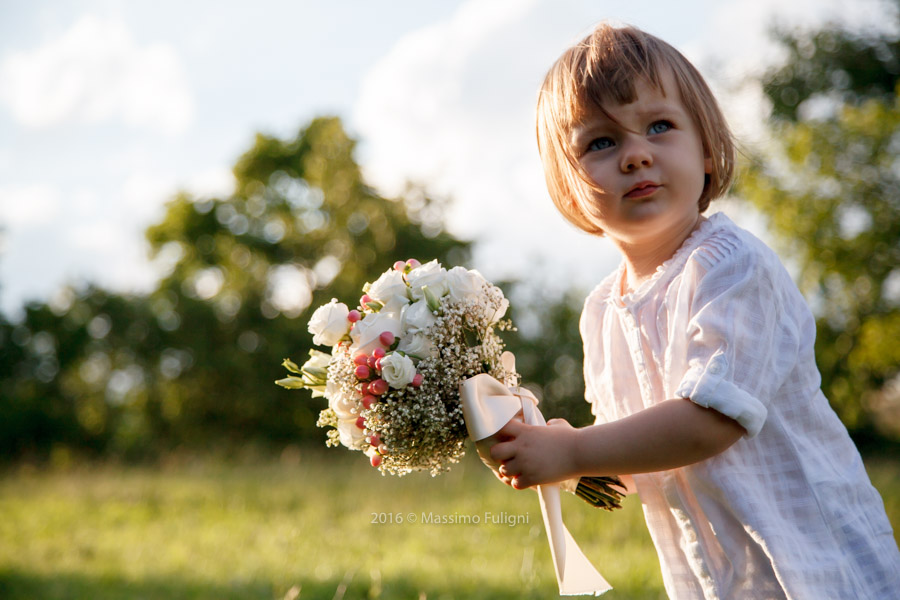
(375, 460)
(378, 387)
(353, 316)
(369, 400)
(386, 338)
(417, 380)
(362, 372)
(361, 422)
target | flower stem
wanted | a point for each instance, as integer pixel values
(600, 493)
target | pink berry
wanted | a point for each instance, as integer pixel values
(365, 300)
(353, 316)
(413, 263)
(399, 265)
(417, 380)
(386, 338)
(362, 372)
(371, 362)
(364, 388)
(360, 422)
(378, 364)
(375, 440)
(378, 353)
(360, 359)
(378, 387)
(368, 400)
(375, 460)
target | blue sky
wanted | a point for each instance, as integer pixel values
(107, 108)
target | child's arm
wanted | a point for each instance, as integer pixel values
(671, 434)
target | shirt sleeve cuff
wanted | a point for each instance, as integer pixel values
(707, 388)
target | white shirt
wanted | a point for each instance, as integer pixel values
(786, 512)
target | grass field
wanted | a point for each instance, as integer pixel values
(321, 525)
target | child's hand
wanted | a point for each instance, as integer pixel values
(485, 446)
(534, 454)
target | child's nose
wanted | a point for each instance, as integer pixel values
(636, 154)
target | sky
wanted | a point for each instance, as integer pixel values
(109, 108)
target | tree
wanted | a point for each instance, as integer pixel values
(301, 227)
(829, 185)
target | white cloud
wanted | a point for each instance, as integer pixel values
(28, 205)
(214, 182)
(97, 72)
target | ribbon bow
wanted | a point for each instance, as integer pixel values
(487, 406)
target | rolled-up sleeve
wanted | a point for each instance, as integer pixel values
(708, 387)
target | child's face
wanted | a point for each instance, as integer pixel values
(649, 165)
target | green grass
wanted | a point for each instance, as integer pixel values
(305, 530)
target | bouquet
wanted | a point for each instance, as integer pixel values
(393, 376)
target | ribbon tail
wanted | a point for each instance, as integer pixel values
(575, 574)
(487, 406)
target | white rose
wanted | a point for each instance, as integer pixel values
(394, 306)
(329, 323)
(417, 345)
(340, 402)
(350, 435)
(465, 284)
(431, 274)
(365, 333)
(398, 370)
(417, 317)
(387, 286)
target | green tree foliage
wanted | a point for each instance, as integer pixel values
(75, 374)
(829, 186)
(548, 350)
(302, 227)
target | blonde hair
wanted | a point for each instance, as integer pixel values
(600, 70)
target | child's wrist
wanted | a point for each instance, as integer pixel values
(577, 454)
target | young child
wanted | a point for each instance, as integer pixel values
(699, 360)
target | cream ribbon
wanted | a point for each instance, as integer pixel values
(487, 406)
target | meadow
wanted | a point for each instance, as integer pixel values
(312, 524)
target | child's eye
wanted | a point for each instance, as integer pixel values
(660, 127)
(600, 144)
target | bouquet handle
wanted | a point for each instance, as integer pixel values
(487, 406)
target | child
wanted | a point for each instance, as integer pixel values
(699, 360)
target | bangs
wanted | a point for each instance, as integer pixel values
(601, 70)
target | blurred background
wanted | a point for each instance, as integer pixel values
(181, 183)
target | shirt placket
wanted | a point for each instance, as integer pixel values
(668, 481)
(636, 346)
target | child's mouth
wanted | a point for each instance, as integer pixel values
(645, 188)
